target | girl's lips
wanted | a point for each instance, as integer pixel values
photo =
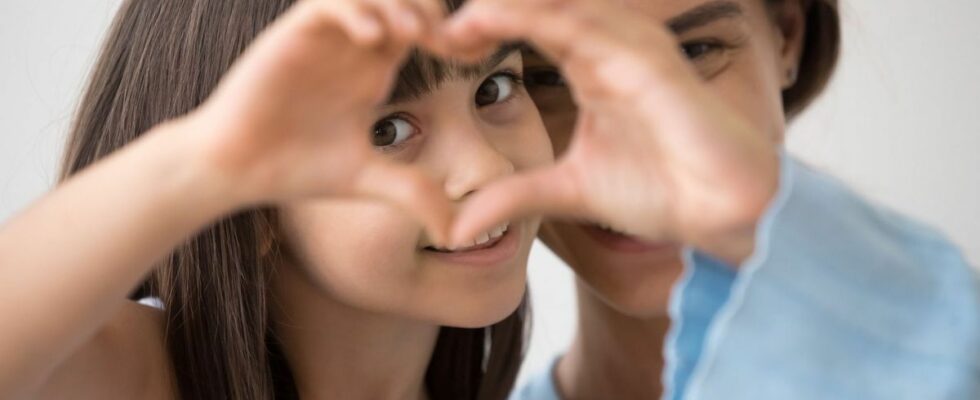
(622, 243)
(493, 252)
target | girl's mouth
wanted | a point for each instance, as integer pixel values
(482, 241)
(491, 247)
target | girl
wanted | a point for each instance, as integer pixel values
(275, 294)
(834, 297)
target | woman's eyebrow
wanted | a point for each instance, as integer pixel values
(703, 15)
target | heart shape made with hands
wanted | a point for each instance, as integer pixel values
(653, 154)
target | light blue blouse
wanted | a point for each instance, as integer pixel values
(840, 300)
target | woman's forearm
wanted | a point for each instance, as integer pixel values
(68, 261)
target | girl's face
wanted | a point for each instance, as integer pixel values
(743, 55)
(469, 130)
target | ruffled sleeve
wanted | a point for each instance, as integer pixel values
(840, 300)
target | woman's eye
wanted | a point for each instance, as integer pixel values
(496, 89)
(696, 50)
(543, 77)
(709, 56)
(391, 132)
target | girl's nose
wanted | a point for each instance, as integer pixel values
(475, 163)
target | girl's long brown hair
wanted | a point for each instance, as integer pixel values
(161, 60)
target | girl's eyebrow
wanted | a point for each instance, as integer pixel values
(704, 14)
(491, 62)
(423, 74)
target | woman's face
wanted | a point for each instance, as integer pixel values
(743, 55)
(466, 132)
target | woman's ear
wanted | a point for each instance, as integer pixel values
(789, 28)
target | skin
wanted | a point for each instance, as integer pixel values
(345, 307)
(689, 167)
(368, 296)
(359, 275)
(624, 279)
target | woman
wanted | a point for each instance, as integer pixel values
(252, 205)
(833, 297)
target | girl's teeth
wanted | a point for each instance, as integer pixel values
(498, 231)
(481, 239)
(610, 229)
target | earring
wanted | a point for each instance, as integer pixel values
(791, 76)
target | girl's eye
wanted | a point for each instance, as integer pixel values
(696, 50)
(496, 89)
(543, 77)
(391, 132)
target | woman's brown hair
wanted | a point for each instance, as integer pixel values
(821, 51)
(161, 59)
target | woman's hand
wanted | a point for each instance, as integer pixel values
(292, 117)
(655, 154)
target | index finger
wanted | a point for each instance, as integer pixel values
(409, 189)
(551, 191)
(583, 32)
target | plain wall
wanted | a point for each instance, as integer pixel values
(899, 123)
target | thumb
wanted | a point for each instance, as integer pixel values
(411, 190)
(551, 191)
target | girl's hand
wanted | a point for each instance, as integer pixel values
(292, 117)
(655, 154)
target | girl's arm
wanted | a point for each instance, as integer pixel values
(68, 262)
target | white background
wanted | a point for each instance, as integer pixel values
(900, 121)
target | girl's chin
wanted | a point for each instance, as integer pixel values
(470, 314)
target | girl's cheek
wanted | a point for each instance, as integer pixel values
(539, 146)
(358, 235)
(505, 115)
(526, 146)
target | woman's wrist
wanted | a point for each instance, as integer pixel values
(732, 248)
(734, 241)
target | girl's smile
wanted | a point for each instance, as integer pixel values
(492, 248)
